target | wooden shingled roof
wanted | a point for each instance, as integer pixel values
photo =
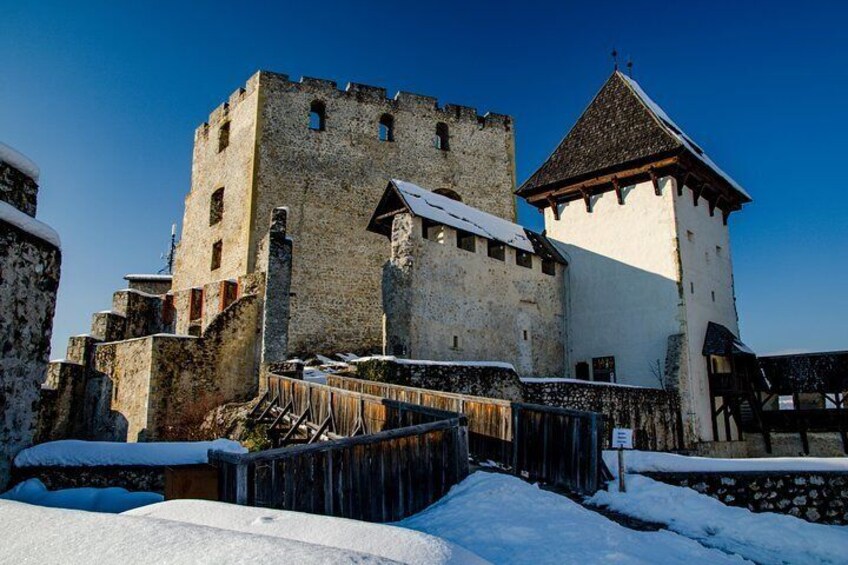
(624, 136)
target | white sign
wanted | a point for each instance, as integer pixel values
(622, 438)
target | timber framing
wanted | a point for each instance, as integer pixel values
(687, 172)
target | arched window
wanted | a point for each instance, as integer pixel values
(387, 128)
(317, 116)
(441, 140)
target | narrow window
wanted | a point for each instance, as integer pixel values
(481, 122)
(497, 250)
(317, 116)
(526, 336)
(425, 228)
(455, 342)
(223, 136)
(442, 139)
(216, 207)
(718, 250)
(465, 240)
(548, 267)
(691, 287)
(217, 249)
(690, 236)
(523, 259)
(387, 128)
(449, 194)
(713, 294)
(195, 311)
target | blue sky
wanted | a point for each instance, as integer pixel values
(105, 96)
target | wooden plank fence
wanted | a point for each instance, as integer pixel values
(398, 458)
(554, 445)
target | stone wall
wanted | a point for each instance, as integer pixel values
(652, 414)
(29, 279)
(491, 380)
(330, 180)
(820, 497)
(18, 189)
(160, 387)
(445, 303)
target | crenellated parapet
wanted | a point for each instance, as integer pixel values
(354, 92)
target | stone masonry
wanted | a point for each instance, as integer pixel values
(260, 149)
(29, 279)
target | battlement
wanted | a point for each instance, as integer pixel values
(360, 93)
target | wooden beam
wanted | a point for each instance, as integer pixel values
(682, 183)
(587, 198)
(604, 180)
(655, 181)
(724, 215)
(714, 203)
(554, 207)
(617, 187)
(696, 193)
(320, 430)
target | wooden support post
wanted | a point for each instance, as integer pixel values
(622, 487)
(294, 428)
(320, 430)
(655, 181)
(554, 207)
(681, 184)
(587, 198)
(268, 408)
(617, 187)
(724, 215)
(712, 203)
(696, 193)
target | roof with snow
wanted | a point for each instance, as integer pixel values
(19, 161)
(402, 196)
(28, 224)
(624, 129)
(143, 277)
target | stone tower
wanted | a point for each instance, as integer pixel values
(327, 155)
(643, 213)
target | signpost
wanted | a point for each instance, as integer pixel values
(622, 438)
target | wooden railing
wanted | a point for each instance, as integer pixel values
(554, 445)
(398, 458)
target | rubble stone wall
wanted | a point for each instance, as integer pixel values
(18, 189)
(652, 414)
(445, 303)
(820, 497)
(29, 279)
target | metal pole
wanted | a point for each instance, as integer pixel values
(621, 486)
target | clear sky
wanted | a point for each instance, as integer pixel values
(105, 97)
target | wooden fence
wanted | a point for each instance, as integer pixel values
(554, 445)
(398, 459)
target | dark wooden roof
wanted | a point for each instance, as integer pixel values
(624, 132)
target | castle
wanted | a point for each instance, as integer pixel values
(297, 185)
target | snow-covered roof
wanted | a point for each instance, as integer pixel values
(19, 161)
(450, 212)
(136, 277)
(677, 132)
(30, 225)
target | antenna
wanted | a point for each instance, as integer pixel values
(614, 59)
(630, 66)
(169, 256)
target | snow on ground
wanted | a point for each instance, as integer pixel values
(33, 534)
(762, 537)
(112, 499)
(386, 541)
(78, 453)
(648, 461)
(400, 361)
(30, 225)
(507, 520)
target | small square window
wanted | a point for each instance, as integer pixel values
(217, 251)
(465, 240)
(497, 250)
(548, 267)
(524, 259)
